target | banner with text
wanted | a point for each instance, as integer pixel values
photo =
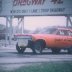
(36, 7)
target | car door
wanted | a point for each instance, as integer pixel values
(69, 38)
(61, 39)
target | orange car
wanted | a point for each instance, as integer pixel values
(54, 38)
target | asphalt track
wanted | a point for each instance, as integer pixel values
(10, 59)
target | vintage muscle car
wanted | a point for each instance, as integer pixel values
(55, 38)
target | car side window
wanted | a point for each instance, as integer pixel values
(62, 32)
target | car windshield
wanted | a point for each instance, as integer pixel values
(46, 31)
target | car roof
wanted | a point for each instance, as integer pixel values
(63, 28)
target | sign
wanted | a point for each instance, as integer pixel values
(36, 7)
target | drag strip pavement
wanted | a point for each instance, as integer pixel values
(9, 57)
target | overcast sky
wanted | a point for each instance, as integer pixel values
(33, 22)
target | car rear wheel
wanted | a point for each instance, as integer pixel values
(55, 51)
(20, 49)
(39, 46)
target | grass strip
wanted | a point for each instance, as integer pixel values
(45, 67)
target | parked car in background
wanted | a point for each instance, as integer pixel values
(55, 38)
